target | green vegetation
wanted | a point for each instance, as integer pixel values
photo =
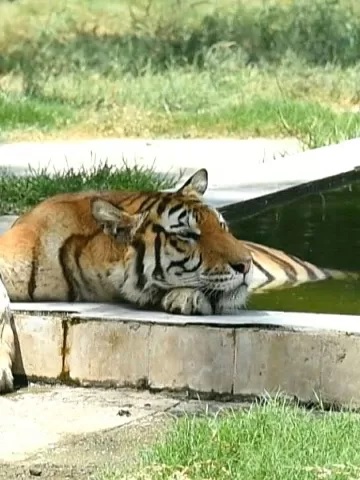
(18, 193)
(272, 441)
(81, 68)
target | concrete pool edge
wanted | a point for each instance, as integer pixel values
(247, 358)
(229, 358)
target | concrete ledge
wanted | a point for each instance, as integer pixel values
(258, 166)
(166, 155)
(239, 355)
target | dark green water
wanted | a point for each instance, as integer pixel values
(323, 228)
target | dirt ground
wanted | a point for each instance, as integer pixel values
(61, 432)
(58, 432)
(83, 457)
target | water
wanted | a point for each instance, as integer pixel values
(323, 228)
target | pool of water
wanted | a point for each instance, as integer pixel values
(322, 227)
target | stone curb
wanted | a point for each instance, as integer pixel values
(203, 358)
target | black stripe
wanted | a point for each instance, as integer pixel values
(162, 205)
(156, 228)
(311, 274)
(158, 270)
(70, 252)
(182, 264)
(79, 248)
(175, 209)
(67, 272)
(270, 278)
(124, 201)
(288, 268)
(139, 246)
(180, 217)
(33, 274)
(174, 243)
(131, 198)
(148, 203)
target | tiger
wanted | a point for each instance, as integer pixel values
(168, 251)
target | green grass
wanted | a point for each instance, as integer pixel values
(18, 193)
(272, 441)
(23, 112)
(137, 68)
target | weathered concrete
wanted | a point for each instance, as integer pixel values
(107, 352)
(199, 358)
(339, 370)
(231, 355)
(267, 360)
(47, 352)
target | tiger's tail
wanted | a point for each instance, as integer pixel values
(275, 269)
(341, 274)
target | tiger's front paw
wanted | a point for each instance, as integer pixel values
(186, 301)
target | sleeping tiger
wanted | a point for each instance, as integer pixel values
(163, 250)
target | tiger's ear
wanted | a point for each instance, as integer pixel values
(198, 183)
(115, 222)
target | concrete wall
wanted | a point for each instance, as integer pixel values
(205, 358)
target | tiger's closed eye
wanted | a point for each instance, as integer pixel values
(188, 235)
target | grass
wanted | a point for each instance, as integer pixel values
(18, 193)
(270, 441)
(30, 113)
(179, 68)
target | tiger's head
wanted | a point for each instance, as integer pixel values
(176, 242)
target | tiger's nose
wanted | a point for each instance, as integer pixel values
(242, 267)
